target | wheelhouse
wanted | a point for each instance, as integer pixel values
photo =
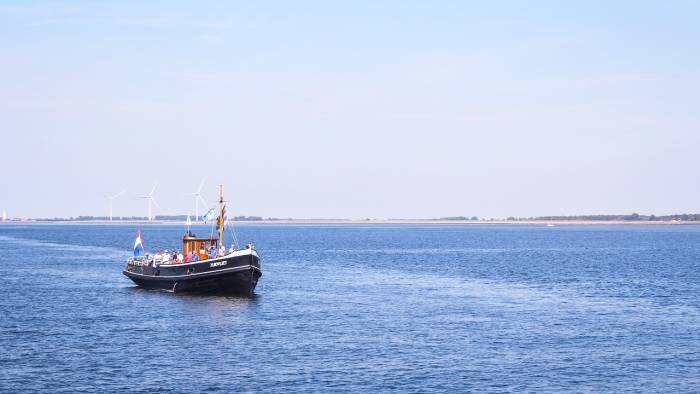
(199, 246)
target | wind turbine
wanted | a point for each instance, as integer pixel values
(197, 198)
(151, 200)
(111, 198)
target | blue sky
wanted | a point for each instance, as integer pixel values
(363, 109)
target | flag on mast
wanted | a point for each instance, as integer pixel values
(221, 219)
(138, 245)
(209, 215)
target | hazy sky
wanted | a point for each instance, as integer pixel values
(364, 109)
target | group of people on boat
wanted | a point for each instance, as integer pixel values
(176, 257)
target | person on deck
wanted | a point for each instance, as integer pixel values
(232, 248)
(166, 256)
(180, 258)
(212, 253)
(222, 250)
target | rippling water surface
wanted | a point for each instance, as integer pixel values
(349, 308)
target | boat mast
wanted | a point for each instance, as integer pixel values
(221, 215)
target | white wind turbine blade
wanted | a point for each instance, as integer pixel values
(117, 195)
(201, 184)
(203, 202)
(153, 190)
(155, 202)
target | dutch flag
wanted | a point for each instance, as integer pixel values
(138, 246)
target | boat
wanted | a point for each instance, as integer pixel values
(208, 268)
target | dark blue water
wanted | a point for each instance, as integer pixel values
(361, 308)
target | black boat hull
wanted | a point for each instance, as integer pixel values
(237, 274)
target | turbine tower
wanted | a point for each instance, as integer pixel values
(111, 198)
(151, 201)
(197, 198)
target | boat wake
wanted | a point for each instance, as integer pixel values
(101, 251)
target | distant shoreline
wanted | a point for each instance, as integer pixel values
(371, 222)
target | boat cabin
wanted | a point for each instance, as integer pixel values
(200, 246)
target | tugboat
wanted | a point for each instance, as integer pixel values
(204, 265)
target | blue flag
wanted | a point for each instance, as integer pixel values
(209, 215)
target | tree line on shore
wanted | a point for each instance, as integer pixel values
(157, 218)
(685, 217)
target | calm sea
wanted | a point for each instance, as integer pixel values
(373, 308)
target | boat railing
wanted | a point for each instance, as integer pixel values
(149, 260)
(139, 261)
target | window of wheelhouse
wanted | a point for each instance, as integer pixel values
(190, 247)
